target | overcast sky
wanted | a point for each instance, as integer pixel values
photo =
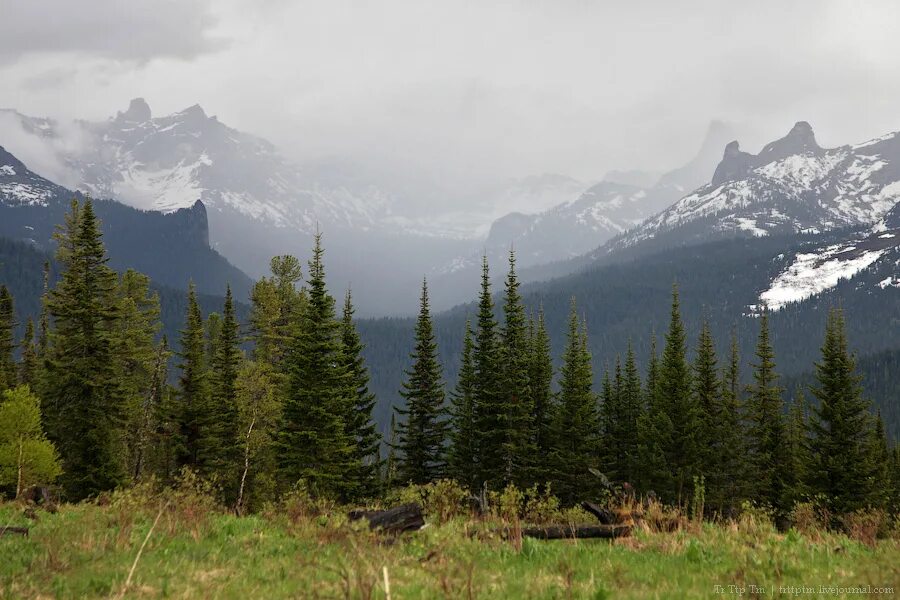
(467, 90)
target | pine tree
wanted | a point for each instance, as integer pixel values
(491, 469)
(423, 431)
(28, 365)
(797, 445)
(730, 432)
(192, 418)
(577, 425)
(80, 386)
(680, 447)
(768, 462)
(654, 433)
(463, 453)
(514, 408)
(540, 379)
(840, 426)
(361, 429)
(631, 413)
(313, 445)
(390, 464)
(8, 376)
(609, 419)
(708, 400)
(225, 362)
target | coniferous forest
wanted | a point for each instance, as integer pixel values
(97, 398)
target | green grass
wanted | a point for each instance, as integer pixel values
(86, 551)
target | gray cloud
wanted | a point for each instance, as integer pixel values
(133, 31)
(441, 98)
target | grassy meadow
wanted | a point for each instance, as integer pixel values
(299, 550)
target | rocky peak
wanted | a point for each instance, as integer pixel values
(734, 165)
(138, 111)
(799, 140)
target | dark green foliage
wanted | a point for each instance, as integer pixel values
(28, 364)
(361, 428)
(840, 427)
(489, 424)
(680, 445)
(732, 438)
(630, 406)
(8, 375)
(81, 392)
(313, 445)
(463, 453)
(514, 409)
(225, 364)
(576, 426)
(422, 431)
(708, 400)
(768, 463)
(540, 380)
(654, 433)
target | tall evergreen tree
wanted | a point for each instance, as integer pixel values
(540, 379)
(225, 364)
(361, 428)
(730, 432)
(192, 417)
(28, 365)
(491, 468)
(423, 432)
(708, 401)
(313, 444)
(463, 452)
(654, 433)
(8, 376)
(631, 412)
(796, 452)
(767, 444)
(681, 447)
(80, 384)
(840, 426)
(576, 427)
(514, 407)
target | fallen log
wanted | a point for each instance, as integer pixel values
(406, 517)
(562, 532)
(607, 517)
(14, 531)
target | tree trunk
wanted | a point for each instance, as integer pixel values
(606, 517)
(560, 532)
(19, 476)
(240, 499)
(406, 517)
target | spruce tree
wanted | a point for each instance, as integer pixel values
(730, 432)
(631, 411)
(361, 429)
(225, 362)
(609, 421)
(313, 445)
(422, 432)
(540, 379)
(8, 376)
(576, 426)
(840, 426)
(766, 437)
(28, 365)
(489, 424)
(654, 433)
(796, 451)
(463, 453)
(708, 401)
(194, 436)
(680, 446)
(514, 408)
(81, 387)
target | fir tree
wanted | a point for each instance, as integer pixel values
(192, 417)
(708, 401)
(730, 432)
(631, 412)
(463, 453)
(840, 426)
(225, 361)
(768, 461)
(796, 451)
(654, 433)
(489, 424)
(80, 384)
(514, 408)
(423, 431)
(540, 379)
(8, 376)
(576, 426)
(313, 445)
(29, 365)
(361, 428)
(680, 447)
